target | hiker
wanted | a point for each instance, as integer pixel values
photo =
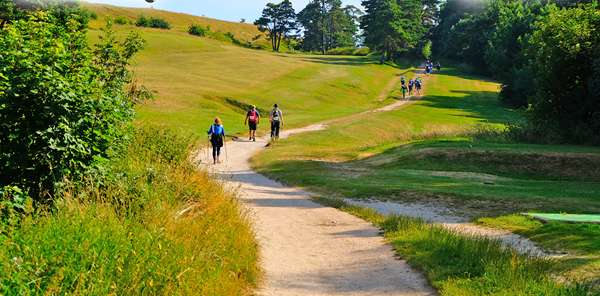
(253, 119)
(403, 80)
(418, 85)
(439, 67)
(411, 82)
(217, 135)
(427, 70)
(276, 118)
(404, 90)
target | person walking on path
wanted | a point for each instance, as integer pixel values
(411, 82)
(404, 90)
(418, 85)
(217, 136)
(253, 120)
(439, 67)
(403, 80)
(276, 119)
(427, 70)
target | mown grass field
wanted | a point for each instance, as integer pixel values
(195, 78)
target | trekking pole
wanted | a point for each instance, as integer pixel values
(207, 149)
(226, 157)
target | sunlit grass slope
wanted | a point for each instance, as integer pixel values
(179, 21)
(199, 79)
(421, 152)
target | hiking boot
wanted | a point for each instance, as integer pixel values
(253, 139)
(249, 138)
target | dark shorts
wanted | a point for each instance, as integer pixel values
(252, 125)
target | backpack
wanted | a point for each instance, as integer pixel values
(216, 138)
(410, 82)
(252, 115)
(403, 80)
(275, 114)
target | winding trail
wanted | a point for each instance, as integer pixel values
(308, 249)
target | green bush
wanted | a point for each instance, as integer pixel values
(14, 205)
(363, 51)
(94, 15)
(197, 30)
(63, 109)
(143, 21)
(160, 226)
(160, 23)
(152, 22)
(121, 20)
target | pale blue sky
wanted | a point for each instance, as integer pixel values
(229, 10)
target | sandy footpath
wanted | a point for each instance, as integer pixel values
(309, 249)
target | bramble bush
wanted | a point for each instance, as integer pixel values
(152, 22)
(64, 109)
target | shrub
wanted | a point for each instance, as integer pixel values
(197, 30)
(341, 51)
(143, 21)
(94, 15)
(121, 20)
(14, 205)
(62, 112)
(363, 51)
(160, 23)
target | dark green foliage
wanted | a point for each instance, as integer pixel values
(62, 11)
(143, 21)
(566, 54)
(197, 30)
(121, 20)
(328, 26)
(93, 15)
(279, 20)
(62, 112)
(158, 23)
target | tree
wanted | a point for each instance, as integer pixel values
(506, 54)
(382, 26)
(567, 61)
(63, 111)
(279, 20)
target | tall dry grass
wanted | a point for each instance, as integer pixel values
(156, 226)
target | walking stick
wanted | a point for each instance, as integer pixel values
(226, 157)
(207, 149)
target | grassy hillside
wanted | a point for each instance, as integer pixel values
(199, 79)
(180, 22)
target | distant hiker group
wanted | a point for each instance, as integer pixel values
(416, 83)
(217, 131)
(429, 67)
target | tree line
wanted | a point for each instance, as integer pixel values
(394, 27)
(545, 55)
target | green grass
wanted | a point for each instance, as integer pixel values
(421, 152)
(195, 77)
(464, 265)
(156, 226)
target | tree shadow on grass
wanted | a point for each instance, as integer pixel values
(480, 105)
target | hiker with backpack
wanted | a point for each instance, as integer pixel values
(411, 82)
(403, 80)
(404, 90)
(439, 67)
(427, 70)
(418, 84)
(276, 119)
(253, 120)
(217, 137)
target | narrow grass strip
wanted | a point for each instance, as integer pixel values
(459, 264)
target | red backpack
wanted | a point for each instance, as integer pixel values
(252, 115)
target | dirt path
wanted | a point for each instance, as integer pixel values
(308, 249)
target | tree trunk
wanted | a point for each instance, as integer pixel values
(389, 55)
(382, 55)
(279, 42)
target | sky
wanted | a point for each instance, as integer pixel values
(228, 10)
